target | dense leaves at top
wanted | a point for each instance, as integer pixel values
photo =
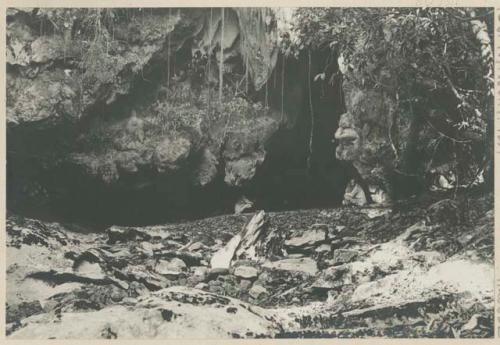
(436, 59)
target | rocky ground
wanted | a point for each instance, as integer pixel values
(423, 270)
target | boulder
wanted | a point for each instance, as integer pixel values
(257, 291)
(324, 248)
(189, 258)
(330, 278)
(91, 270)
(308, 238)
(342, 256)
(304, 265)
(246, 272)
(354, 195)
(173, 267)
(245, 284)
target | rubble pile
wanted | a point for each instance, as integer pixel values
(308, 273)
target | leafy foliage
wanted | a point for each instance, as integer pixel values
(438, 60)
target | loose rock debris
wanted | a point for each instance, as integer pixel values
(309, 273)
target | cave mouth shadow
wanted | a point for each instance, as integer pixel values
(285, 181)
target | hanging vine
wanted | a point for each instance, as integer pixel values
(221, 62)
(247, 74)
(209, 56)
(311, 110)
(165, 117)
(283, 89)
(168, 51)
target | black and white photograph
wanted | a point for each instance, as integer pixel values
(249, 172)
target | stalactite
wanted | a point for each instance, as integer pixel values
(311, 110)
(221, 63)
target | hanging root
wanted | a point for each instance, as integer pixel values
(221, 65)
(312, 116)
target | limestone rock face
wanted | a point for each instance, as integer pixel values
(242, 170)
(364, 133)
(245, 151)
(207, 169)
(107, 109)
(170, 153)
(43, 88)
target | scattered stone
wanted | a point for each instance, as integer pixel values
(339, 228)
(475, 321)
(342, 256)
(245, 284)
(196, 246)
(246, 272)
(172, 244)
(324, 248)
(201, 286)
(167, 314)
(200, 271)
(330, 278)
(304, 265)
(232, 310)
(149, 248)
(217, 289)
(190, 259)
(251, 247)
(90, 270)
(343, 241)
(222, 258)
(198, 275)
(120, 283)
(319, 226)
(121, 234)
(295, 255)
(376, 212)
(215, 272)
(174, 267)
(257, 290)
(308, 238)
